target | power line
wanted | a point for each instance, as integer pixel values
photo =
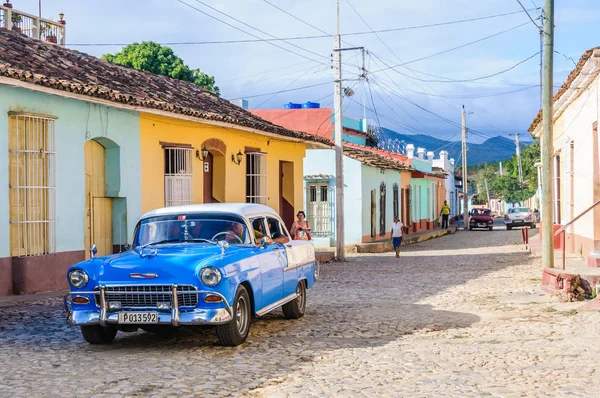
(298, 19)
(456, 48)
(280, 91)
(248, 33)
(487, 95)
(283, 90)
(284, 39)
(450, 80)
(257, 29)
(526, 12)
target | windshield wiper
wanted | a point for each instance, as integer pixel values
(158, 242)
(200, 240)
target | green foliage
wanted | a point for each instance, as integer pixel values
(508, 184)
(161, 60)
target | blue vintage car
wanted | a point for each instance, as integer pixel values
(211, 264)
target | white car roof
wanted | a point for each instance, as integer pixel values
(243, 209)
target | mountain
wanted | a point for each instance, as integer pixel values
(493, 149)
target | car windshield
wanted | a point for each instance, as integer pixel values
(482, 212)
(190, 228)
(519, 210)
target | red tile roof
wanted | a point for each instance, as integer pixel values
(51, 66)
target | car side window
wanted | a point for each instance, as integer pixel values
(259, 228)
(276, 230)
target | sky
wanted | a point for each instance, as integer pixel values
(410, 99)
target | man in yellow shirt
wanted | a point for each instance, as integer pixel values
(445, 213)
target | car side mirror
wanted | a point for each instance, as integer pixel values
(127, 246)
(93, 251)
(264, 242)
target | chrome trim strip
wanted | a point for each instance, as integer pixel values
(276, 304)
(174, 307)
(102, 306)
(298, 266)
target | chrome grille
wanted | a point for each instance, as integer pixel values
(136, 296)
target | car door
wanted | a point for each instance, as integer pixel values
(272, 261)
(298, 253)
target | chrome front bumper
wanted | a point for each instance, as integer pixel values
(175, 317)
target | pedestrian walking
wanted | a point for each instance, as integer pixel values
(397, 235)
(445, 213)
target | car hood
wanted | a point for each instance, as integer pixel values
(163, 263)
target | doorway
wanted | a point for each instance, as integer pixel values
(286, 192)
(98, 207)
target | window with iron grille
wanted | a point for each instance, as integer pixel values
(178, 176)
(256, 178)
(382, 208)
(318, 212)
(32, 185)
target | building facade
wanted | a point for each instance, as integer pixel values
(86, 150)
(576, 160)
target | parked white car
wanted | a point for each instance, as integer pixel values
(519, 217)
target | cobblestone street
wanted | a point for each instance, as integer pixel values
(461, 315)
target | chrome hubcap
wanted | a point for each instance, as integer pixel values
(300, 296)
(241, 315)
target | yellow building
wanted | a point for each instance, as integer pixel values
(192, 161)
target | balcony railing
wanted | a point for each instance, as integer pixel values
(563, 229)
(32, 26)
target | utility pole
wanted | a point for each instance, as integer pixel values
(547, 138)
(465, 182)
(339, 150)
(487, 191)
(500, 169)
(519, 158)
(40, 8)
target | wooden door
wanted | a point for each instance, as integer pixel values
(102, 225)
(98, 208)
(208, 179)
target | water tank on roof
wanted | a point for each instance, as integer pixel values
(311, 105)
(291, 105)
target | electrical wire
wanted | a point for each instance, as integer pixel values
(248, 33)
(451, 80)
(281, 91)
(325, 35)
(526, 12)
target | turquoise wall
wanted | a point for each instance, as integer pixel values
(78, 121)
(422, 165)
(372, 179)
(422, 194)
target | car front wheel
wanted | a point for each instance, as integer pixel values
(236, 331)
(96, 334)
(295, 308)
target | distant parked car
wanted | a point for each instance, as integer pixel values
(481, 218)
(519, 217)
(212, 264)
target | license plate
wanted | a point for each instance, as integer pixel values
(481, 225)
(518, 221)
(138, 317)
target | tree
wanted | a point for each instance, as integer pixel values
(509, 187)
(161, 60)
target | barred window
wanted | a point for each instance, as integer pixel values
(256, 178)
(32, 185)
(178, 176)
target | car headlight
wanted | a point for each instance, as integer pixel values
(210, 276)
(78, 278)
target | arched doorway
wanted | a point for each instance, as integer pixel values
(98, 207)
(213, 169)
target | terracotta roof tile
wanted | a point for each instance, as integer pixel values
(44, 64)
